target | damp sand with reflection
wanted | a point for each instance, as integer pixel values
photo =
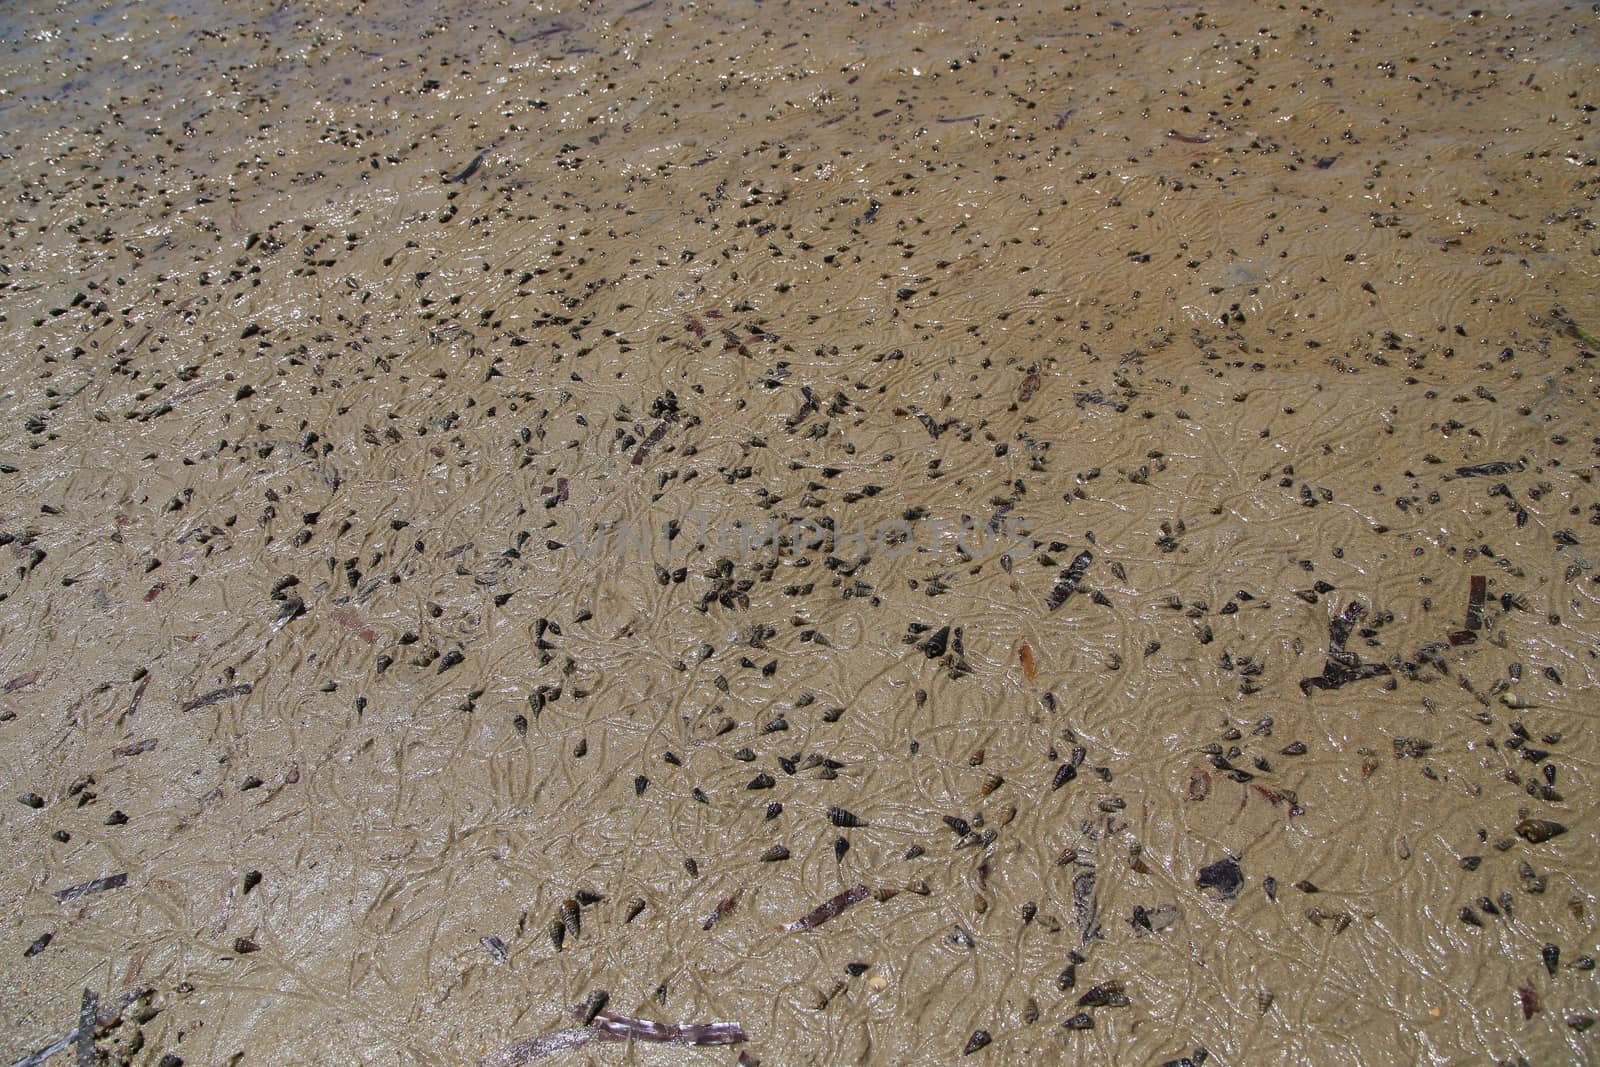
(324, 330)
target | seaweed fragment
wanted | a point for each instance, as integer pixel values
(1343, 667)
(1085, 905)
(74, 1036)
(217, 696)
(1030, 385)
(829, 909)
(1479, 589)
(613, 1027)
(95, 885)
(724, 908)
(1490, 470)
(805, 411)
(649, 442)
(609, 1026)
(928, 424)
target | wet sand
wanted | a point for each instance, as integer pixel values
(350, 352)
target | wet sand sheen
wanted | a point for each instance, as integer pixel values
(1178, 424)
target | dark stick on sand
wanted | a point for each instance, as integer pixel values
(609, 1026)
(87, 1017)
(471, 169)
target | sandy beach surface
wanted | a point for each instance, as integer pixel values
(925, 533)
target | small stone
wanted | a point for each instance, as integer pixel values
(1225, 876)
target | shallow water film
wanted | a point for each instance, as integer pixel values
(729, 532)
